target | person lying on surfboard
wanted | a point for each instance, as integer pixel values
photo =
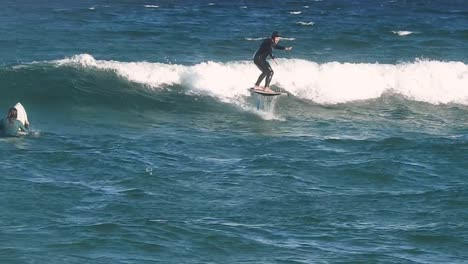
(260, 59)
(9, 126)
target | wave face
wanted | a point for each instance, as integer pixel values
(84, 84)
(434, 82)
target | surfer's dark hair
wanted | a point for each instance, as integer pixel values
(12, 114)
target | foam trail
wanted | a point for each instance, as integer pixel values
(433, 82)
(302, 23)
(402, 32)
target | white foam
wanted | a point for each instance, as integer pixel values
(402, 33)
(295, 12)
(306, 23)
(434, 82)
(151, 6)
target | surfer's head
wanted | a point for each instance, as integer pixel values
(275, 36)
(12, 114)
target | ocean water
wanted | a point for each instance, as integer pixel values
(146, 146)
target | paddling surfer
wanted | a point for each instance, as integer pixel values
(260, 59)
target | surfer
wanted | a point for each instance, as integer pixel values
(260, 59)
(9, 126)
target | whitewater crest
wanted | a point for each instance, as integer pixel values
(434, 82)
(403, 32)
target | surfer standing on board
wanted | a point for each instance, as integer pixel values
(260, 59)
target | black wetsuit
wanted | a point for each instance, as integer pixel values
(260, 57)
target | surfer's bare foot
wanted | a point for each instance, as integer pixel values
(267, 89)
(259, 88)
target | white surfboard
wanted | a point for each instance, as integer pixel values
(22, 115)
(265, 93)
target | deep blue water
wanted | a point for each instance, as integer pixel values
(146, 146)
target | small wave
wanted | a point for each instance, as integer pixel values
(151, 6)
(295, 12)
(434, 82)
(306, 23)
(402, 33)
